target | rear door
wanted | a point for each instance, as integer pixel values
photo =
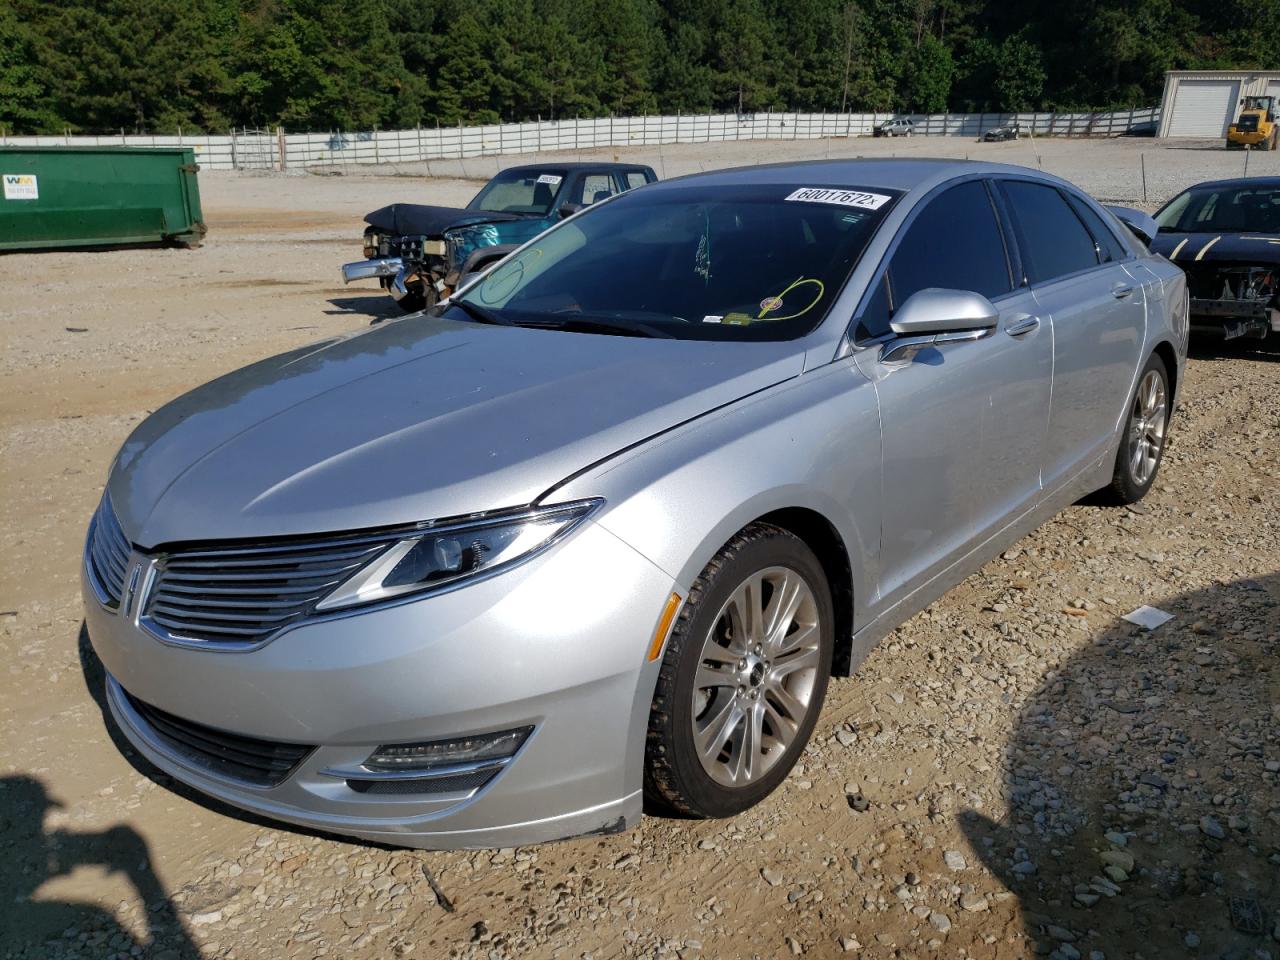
(962, 424)
(1098, 317)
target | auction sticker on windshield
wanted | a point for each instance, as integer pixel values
(550, 178)
(843, 198)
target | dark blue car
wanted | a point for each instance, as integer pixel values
(420, 253)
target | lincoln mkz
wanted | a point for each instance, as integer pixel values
(591, 536)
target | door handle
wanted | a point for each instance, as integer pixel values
(1021, 326)
(1121, 290)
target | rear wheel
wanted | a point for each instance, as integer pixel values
(743, 677)
(1146, 427)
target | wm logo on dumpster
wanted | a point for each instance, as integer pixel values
(21, 186)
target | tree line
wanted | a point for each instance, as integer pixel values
(205, 65)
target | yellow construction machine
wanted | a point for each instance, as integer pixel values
(1256, 125)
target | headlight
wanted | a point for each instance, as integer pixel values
(442, 555)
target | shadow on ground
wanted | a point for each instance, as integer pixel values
(1244, 348)
(377, 307)
(1144, 821)
(35, 854)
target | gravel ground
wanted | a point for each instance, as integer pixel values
(1014, 772)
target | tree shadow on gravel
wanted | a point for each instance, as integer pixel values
(1143, 789)
(34, 855)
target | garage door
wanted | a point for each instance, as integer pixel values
(1273, 89)
(1203, 108)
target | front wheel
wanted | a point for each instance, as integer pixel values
(418, 297)
(743, 677)
(1145, 430)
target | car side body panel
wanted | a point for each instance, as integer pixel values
(812, 443)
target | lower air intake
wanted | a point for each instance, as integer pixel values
(262, 763)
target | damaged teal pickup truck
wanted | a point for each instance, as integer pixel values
(420, 254)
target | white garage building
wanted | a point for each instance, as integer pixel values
(1203, 103)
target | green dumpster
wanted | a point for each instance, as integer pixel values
(98, 196)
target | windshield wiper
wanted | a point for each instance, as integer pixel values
(627, 328)
(480, 314)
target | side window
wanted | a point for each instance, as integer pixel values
(596, 186)
(954, 243)
(1053, 241)
(635, 179)
(1109, 248)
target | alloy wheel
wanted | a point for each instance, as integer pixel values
(756, 676)
(1147, 427)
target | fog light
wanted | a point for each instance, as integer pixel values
(442, 753)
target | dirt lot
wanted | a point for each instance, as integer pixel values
(1014, 772)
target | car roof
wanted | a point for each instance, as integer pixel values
(1270, 182)
(900, 173)
(574, 165)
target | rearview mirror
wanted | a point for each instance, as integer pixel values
(933, 316)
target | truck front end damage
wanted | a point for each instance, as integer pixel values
(417, 253)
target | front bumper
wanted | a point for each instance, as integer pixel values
(372, 269)
(1234, 318)
(558, 644)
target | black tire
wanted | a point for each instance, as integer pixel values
(1127, 485)
(675, 781)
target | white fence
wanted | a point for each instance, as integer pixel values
(273, 150)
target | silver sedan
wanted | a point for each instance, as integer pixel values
(593, 536)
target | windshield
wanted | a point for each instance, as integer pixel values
(759, 262)
(1235, 209)
(517, 191)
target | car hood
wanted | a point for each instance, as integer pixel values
(416, 420)
(415, 219)
(1187, 249)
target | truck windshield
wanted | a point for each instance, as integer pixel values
(758, 262)
(1234, 209)
(516, 191)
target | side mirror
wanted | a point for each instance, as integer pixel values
(569, 209)
(933, 316)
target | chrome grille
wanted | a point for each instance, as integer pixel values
(107, 553)
(242, 595)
